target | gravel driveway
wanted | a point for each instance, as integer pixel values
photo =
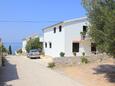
(21, 71)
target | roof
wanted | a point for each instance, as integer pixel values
(31, 36)
(68, 21)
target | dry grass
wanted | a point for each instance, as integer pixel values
(92, 74)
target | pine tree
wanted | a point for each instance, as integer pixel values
(101, 16)
(10, 50)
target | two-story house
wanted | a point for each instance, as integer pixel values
(70, 37)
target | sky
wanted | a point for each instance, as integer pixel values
(20, 18)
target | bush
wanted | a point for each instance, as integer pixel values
(84, 60)
(83, 53)
(74, 53)
(62, 54)
(3, 49)
(51, 65)
(19, 51)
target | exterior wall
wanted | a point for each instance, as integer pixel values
(41, 39)
(57, 40)
(62, 41)
(72, 34)
(24, 46)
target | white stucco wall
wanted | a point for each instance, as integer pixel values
(57, 40)
(41, 38)
(72, 34)
(62, 41)
(24, 43)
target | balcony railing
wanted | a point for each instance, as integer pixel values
(84, 36)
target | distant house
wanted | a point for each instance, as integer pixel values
(70, 37)
(25, 40)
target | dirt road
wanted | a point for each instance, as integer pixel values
(21, 71)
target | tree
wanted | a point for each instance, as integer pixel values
(33, 44)
(2, 48)
(10, 50)
(101, 16)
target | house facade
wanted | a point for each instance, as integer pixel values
(25, 40)
(68, 37)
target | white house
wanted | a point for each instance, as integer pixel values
(68, 37)
(25, 40)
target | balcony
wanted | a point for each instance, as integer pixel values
(84, 36)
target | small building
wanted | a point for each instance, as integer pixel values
(69, 37)
(25, 40)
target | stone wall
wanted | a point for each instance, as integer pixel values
(77, 59)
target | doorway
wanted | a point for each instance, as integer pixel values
(75, 47)
(93, 48)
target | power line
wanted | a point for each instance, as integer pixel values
(25, 21)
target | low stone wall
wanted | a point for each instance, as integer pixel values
(77, 59)
(66, 60)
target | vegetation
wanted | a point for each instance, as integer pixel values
(3, 49)
(83, 33)
(83, 53)
(84, 59)
(10, 50)
(51, 65)
(33, 44)
(74, 53)
(62, 54)
(101, 16)
(19, 51)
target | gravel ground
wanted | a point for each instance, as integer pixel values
(92, 74)
(21, 71)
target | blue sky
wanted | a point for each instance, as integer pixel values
(42, 13)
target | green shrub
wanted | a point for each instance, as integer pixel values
(74, 53)
(51, 65)
(62, 54)
(84, 60)
(83, 53)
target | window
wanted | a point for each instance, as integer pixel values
(45, 45)
(60, 28)
(50, 45)
(84, 28)
(54, 29)
(75, 47)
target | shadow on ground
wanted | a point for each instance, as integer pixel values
(108, 70)
(8, 73)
